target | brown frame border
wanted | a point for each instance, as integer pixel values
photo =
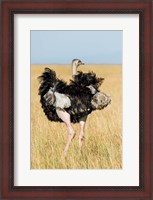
(11, 7)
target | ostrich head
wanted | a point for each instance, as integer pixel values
(75, 64)
(100, 100)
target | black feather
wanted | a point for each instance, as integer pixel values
(77, 91)
(86, 79)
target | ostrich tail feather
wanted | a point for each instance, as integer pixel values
(50, 86)
(47, 79)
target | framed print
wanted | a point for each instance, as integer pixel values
(76, 99)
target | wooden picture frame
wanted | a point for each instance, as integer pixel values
(9, 8)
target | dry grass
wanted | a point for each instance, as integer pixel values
(103, 131)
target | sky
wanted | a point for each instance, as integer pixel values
(61, 47)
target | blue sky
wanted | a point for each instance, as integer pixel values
(61, 47)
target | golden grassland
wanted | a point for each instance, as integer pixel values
(103, 131)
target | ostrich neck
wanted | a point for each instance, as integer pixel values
(74, 70)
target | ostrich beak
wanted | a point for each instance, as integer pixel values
(81, 63)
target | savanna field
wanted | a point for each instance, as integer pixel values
(103, 130)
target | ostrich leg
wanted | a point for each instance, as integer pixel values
(65, 117)
(82, 126)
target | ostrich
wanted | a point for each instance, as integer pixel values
(73, 102)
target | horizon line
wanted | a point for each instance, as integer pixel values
(71, 63)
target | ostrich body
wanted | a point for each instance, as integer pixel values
(73, 102)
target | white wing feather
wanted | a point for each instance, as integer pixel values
(57, 99)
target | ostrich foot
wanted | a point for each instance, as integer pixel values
(81, 141)
(63, 156)
(71, 136)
